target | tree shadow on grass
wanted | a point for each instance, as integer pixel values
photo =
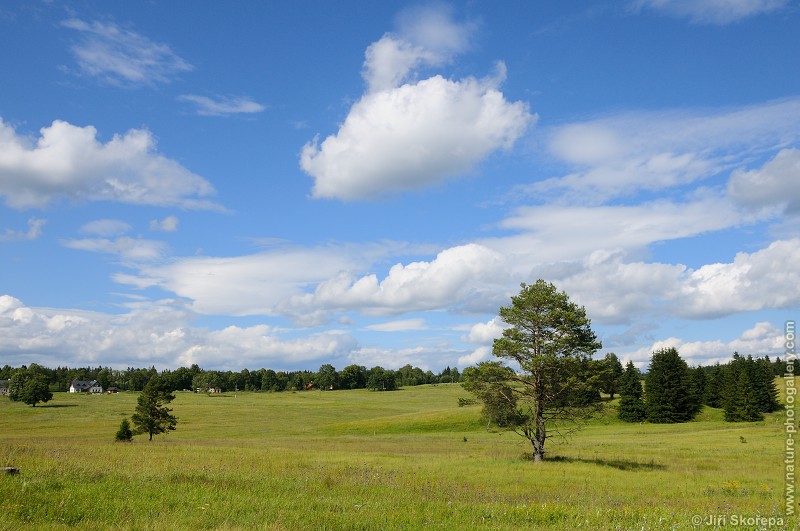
(56, 405)
(619, 464)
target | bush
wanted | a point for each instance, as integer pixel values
(124, 433)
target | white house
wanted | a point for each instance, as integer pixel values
(83, 386)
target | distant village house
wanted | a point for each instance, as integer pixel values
(209, 390)
(83, 386)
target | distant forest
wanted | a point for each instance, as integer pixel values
(327, 377)
(194, 378)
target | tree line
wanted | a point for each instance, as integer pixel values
(194, 378)
(673, 392)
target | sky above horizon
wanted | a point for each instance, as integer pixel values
(284, 184)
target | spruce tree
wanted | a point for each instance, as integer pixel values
(745, 408)
(728, 392)
(631, 407)
(124, 433)
(712, 396)
(697, 388)
(667, 388)
(768, 399)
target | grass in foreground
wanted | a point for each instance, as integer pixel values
(364, 460)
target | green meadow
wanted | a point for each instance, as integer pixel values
(407, 459)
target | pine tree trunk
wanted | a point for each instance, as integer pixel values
(540, 433)
(538, 451)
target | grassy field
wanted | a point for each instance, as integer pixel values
(365, 460)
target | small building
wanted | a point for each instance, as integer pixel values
(84, 386)
(3, 387)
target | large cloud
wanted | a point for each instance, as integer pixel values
(629, 152)
(458, 277)
(67, 161)
(261, 346)
(406, 135)
(594, 261)
(768, 278)
(555, 233)
(157, 334)
(616, 291)
(413, 136)
(249, 285)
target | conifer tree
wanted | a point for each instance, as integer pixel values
(744, 408)
(729, 392)
(631, 407)
(124, 433)
(697, 388)
(551, 340)
(767, 390)
(667, 388)
(152, 416)
(610, 372)
(712, 396)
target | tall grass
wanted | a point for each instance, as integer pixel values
(365, 460)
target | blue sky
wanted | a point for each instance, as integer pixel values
(284, 184)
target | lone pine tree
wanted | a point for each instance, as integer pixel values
(551, 340)
(152, 416)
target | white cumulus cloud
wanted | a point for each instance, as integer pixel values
(405, 134)
(768, 278)
(68, 161)
(153, 333)
(413, 136)
(457, 277)
(485, 333)
(478, 355)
